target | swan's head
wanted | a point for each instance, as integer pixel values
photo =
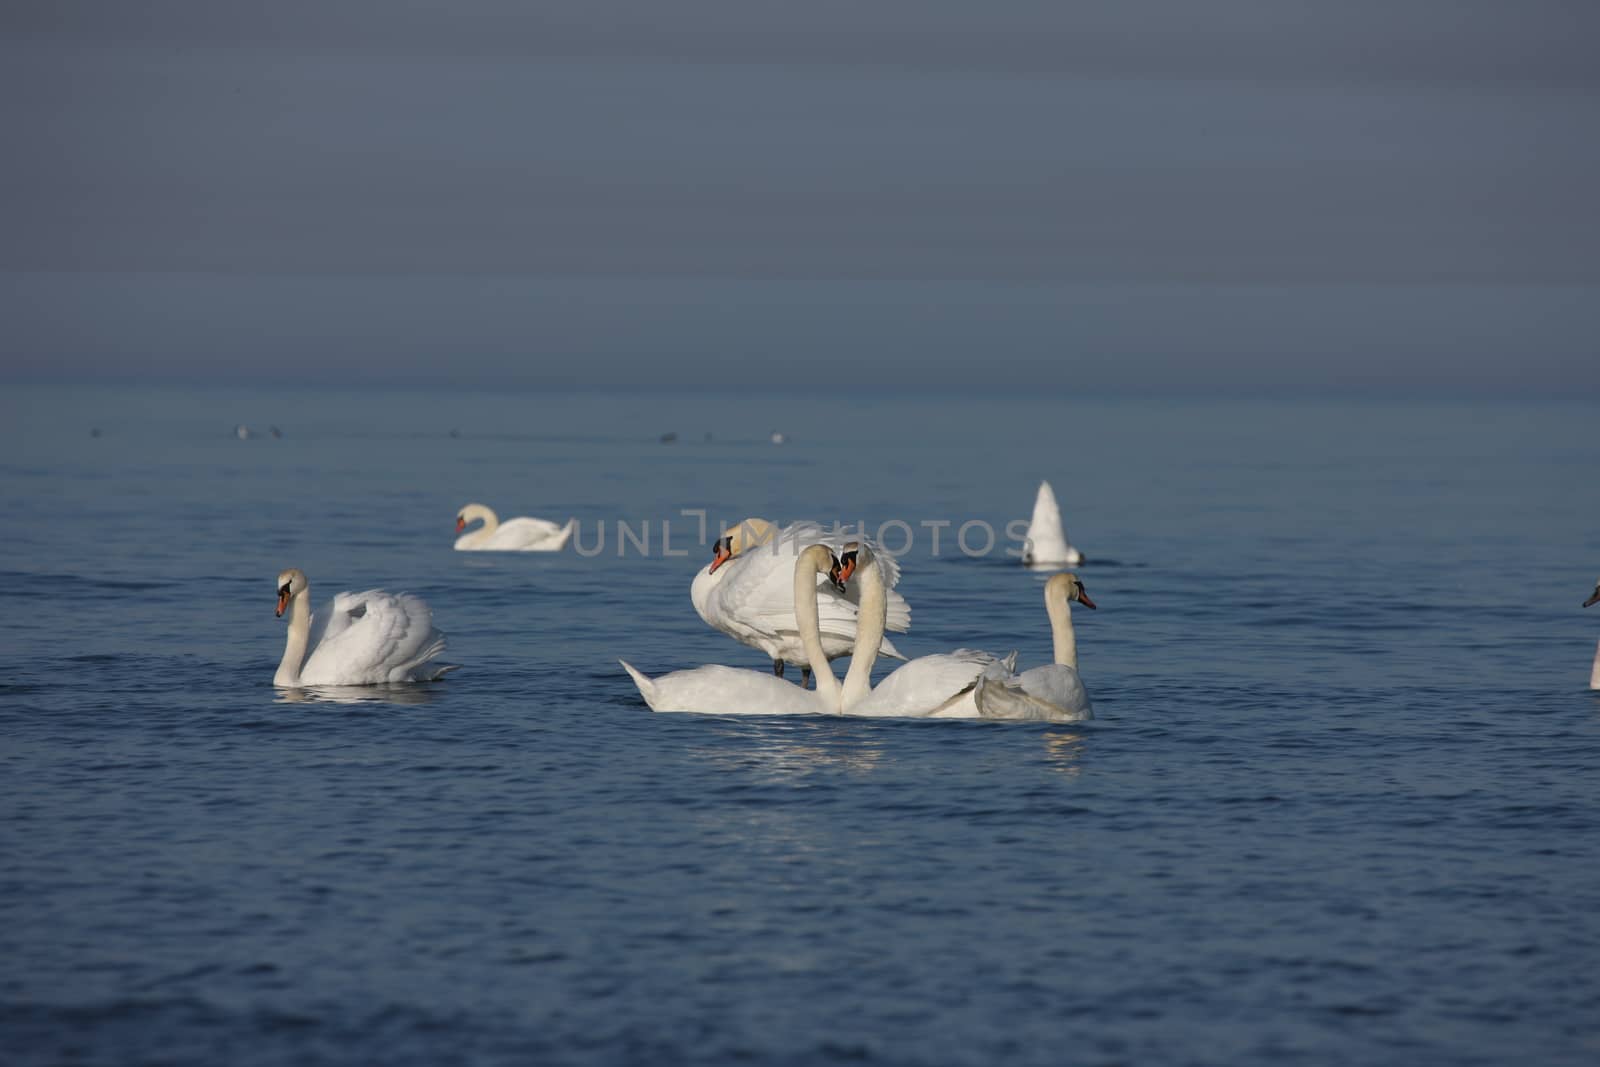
(821, 557)
(291, 583)
(1595, 596)
(836, 574)
(751, 533)
(852, 557)
(1068, 586)
(471, 513)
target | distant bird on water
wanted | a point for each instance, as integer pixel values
(1047, 544)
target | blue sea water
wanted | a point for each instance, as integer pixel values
(1340, 803)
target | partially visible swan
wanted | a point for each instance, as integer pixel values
(358, 639)
(1047, 544)
(718, 690)
(747, 592)
(513, 535)
(1053, 692)
(937, 686)
(1594, 672)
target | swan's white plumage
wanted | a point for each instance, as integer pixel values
(366, 638)
(930, 686)
(751, 598)
(521, 534)
(718, 690)
(940, 686)
(1053, 692)
(1047, 544)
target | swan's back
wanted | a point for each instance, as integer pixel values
(373, 637)
(937, 685)
(525, 534)
(521, 534)
(718, 690)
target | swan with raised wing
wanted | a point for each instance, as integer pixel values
(521, 534)
(1053, 692)
(368, 638)
(1047, 544)
(747, 591)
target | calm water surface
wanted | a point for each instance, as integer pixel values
(1341, 802)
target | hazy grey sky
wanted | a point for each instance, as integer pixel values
(1147, 193)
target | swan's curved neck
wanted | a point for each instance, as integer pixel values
(294, 648)
(871, 619)
(812, 562)
(1059, 609)
(1594, 674)
(491, 521)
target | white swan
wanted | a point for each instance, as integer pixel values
(1047, 544)
(1053, 692)
(718, 690)
(937, 686)
(358, 639)
(747, 592)
(1594, 672)
(513, 535)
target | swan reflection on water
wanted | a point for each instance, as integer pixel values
(357, 694)
(785, 754)
(1063, 753)
(781, 755)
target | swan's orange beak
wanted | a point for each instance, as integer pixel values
(1083, 598)
(460, 523)
(720, 555)
(836, 578)
(1594, 598)
(847, 567)
(283, 600)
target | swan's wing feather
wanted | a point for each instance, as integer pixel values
(1046, 520)
(886, 648)
(530, 534)
(751, 598)
(1052, 693)
(1059, 686)
(801, 534)
(898, 618)
(333, 619)
(758, 589)
(1047, 539)
(889, 565)
(375, 637)
(701, 588)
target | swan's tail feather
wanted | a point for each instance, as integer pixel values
(565, 534)
(432, 650)
(420, 667)
(887, 649)
(647, 688)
